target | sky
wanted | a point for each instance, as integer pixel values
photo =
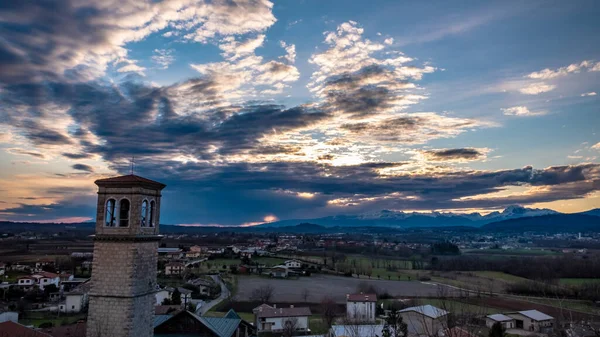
(254, 110)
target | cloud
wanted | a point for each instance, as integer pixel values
(24, 152)
(458, 155)
(76, 155)
(163, 58)
(83, 167)
(591, 93)
(548, 73)
(596, 146)
(78, 41)
(290, 50)
(537, 88)
(521, 111)
(389, 41)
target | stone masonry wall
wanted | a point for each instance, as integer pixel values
(121, 317)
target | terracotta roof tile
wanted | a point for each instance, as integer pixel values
(13, 329)
(129, 179)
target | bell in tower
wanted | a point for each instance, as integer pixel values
(125, 256)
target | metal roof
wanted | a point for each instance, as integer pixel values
(536, 315)
(500, 317)
(427, 310)
(160, 319)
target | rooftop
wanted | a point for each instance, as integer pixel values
(129, 180)
(535, 315)
(500, 317)
(427, 310)
(361, 298)
(283, 312)
(13, 329)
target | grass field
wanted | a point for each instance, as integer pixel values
(511, 252)
(37, 318)
(578, 281)
(499, 276)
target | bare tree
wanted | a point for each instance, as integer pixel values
(305, 294)
(328, 310)
(289, 327)
(263, 293)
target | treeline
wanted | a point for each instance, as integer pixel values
(533, 268)
(586, 291)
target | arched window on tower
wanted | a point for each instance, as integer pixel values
(144, 214)
(124, 213)
(152, 207)
(109, 217)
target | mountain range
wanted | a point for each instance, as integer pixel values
(399, 219)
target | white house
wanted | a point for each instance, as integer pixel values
(278, 319)
(279, 271)
(532, 320)
(361, 307)
(76, 300)
(162, 294)
(505, 321)
(26, 282)
(44, 279)
(292, 264)
(424, 320)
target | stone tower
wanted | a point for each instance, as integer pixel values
(125, 255)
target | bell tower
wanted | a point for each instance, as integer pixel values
(125, 256)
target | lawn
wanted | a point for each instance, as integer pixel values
(500, 276)
(578, 281)
(37, 318)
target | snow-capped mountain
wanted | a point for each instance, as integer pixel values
(387, 218)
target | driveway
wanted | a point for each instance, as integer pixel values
(224, 294)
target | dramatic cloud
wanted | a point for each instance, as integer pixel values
(537, 88)
(596, 146)
(23, 152)
(521, 111)
(459, 155)
(83, 167)
(591, 93)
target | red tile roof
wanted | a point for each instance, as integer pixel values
(72, 330)
(130, 179)
(13, 329)
(362, 297)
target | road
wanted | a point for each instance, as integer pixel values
(224, 295)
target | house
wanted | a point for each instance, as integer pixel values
(39, 266)
(9, 316)
(198, 249)
(505, 321)
(275, 319)
(174, 268)
(163, 294)
(532, 320)
(356, 330)
(76, 300)
(361, 307)
(13, 329)
(26, 282)
(44, 279)
(2, 268)
(186, 296)
(193, 255)
(279, 271)
(424, 320)
(189, 324)
(204, 286)
(293, 264)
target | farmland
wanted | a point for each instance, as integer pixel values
(290, 290)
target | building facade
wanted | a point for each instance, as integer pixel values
(121, 298)
(361, 307)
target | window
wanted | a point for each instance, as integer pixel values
(124, 213)
(109, 218)
(144, 214)
(152, 206)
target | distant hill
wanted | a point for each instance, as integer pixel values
(547, 223)
(387, 218)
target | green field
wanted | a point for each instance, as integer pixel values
(511, 252)
(37, 318)
(499, 276)
(578, 281)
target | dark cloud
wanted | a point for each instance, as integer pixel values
(83, 167)
(27, 153)
(454, 154)
(76, 155)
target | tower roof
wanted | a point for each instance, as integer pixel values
(129, 180)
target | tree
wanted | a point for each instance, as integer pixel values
(497, 330)
(305, 294)
(262, 294)
(394, 325)
(328, 309)
(176, 297)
